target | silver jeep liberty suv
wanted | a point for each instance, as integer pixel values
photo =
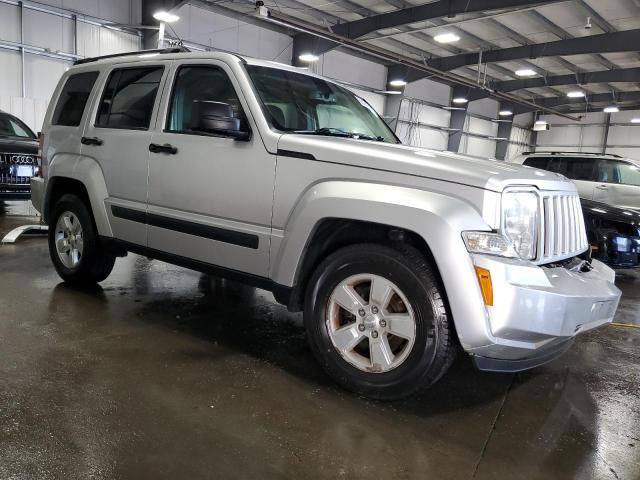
(264, 173)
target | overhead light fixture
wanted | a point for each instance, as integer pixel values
(309, 57)
(505, 113)
(635, 120)
(446, 38)
(575, 94)
(526, 72)
(164, 16)
(541, 122)
(611, 109)
(460, 100)
(397, 83)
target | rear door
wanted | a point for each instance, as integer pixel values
(618, 183)
(582, 171)
(63, 129)
(118, 138)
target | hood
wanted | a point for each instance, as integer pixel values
(611, 213)
(446, 166)
(18, 145)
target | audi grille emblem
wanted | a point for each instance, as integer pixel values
(21, 160)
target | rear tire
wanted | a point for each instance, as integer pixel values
(383, 345)
(74, 244)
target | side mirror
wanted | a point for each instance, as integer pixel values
(216, 118)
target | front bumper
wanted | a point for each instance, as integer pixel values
(12, 191)
(37, 193)
(537, 310)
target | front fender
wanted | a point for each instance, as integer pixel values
(437, 218)
(87, 171)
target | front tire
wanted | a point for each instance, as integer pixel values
(377, 321)
(74, 245)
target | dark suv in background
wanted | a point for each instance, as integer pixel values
(18, 157)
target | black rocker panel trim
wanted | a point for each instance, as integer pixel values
(191, 228)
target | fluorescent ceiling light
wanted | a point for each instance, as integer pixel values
(575, 94)
(611, 109)
(460, 100)
(164, 16)
(505, 113)
(397, 83)
(309, 57)
(541, 122)
(635, 120)
(526, 72)
(446, 38)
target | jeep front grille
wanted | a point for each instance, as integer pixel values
(563, 231)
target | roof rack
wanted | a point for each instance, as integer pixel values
(138, 52)
(572, 153)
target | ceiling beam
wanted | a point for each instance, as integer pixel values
(584, 78)
(405, 16)
(555, 102)
(420, 13)
(625, 41)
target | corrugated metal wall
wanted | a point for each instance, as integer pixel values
(53, 29)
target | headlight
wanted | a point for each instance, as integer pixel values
(518, 235)
(520, 219)
(488, 243)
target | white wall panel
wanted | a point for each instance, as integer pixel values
(9, 23)
(341, 65)
(429, 90)
(10, 75)
(520, 140)
(42, 75)
(478, 147)
(46, 30)
(487, 107)
(119, 11)
(201, 26)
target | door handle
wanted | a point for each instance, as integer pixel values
(166, 148)
(602, 187)
(91, 141)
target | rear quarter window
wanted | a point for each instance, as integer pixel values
(73, 99)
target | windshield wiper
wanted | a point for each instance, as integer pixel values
(338, 132)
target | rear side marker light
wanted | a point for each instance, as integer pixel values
(484, 280)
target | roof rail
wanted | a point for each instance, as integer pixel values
(546, 152)
(138, 52)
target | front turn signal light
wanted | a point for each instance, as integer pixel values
(484, 280)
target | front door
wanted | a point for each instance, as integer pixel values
(119, 140)
(210, 197)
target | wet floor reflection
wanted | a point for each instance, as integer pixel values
(166, 373)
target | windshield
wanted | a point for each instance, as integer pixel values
(298, 103)
(12, 127)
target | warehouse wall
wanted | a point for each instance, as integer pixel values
(202, 28)
(588, 135)
(52, 28)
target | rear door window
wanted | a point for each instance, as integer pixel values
(128, 98)
(73, 98)
(580, 168)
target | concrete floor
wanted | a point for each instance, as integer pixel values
(163, 372)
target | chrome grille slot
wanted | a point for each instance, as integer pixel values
(564, 234)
